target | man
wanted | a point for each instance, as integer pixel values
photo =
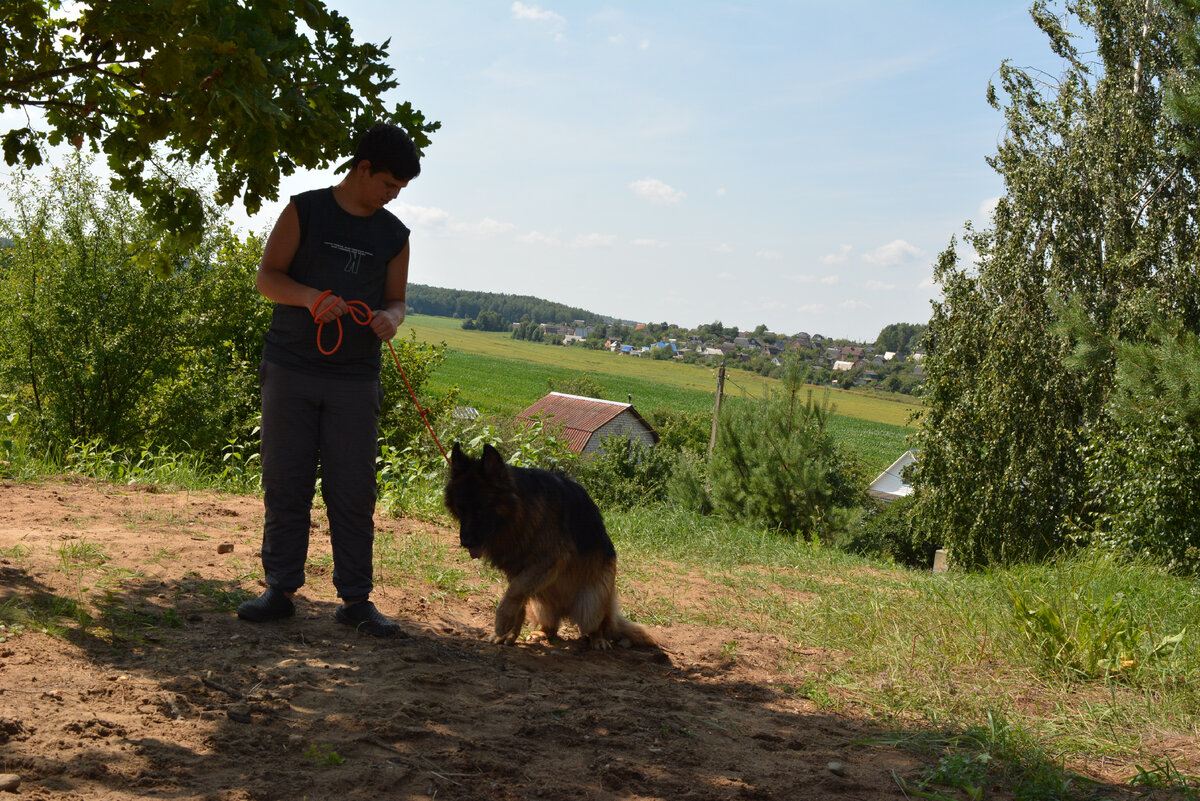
(331, 250)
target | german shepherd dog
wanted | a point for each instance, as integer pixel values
(544, 532)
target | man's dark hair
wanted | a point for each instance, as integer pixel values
(389, 148)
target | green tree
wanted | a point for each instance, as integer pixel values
(899, 338)
(1143, 460)
(529, 330)
(255, 89)
(488, 320)
(1097, 206)
(776, 463)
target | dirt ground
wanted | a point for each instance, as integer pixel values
(193, 703)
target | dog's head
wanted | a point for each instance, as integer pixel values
(481, 496)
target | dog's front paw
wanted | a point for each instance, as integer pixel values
(503, 637)
(599, 642)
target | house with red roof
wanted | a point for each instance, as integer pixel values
(586, 422)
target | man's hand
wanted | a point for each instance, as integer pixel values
(386, 322)
(329, 309)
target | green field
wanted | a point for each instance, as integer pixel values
(501, 375)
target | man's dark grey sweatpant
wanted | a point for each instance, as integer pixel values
(309, 420)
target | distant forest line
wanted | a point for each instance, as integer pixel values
(468, 305)
(465, 304)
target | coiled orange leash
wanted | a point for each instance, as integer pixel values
(361, 313)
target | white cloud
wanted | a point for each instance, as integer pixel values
(854, 304)
(801, 279)
(893, 253)
(422, 216)
(593, 240)
(644, 44)
(522, 11)
(829, 280)
(649, 243)
(656, 191)
(723, 248)
(769, 255)
(880, 285)
(843, 253)
(927, 283)
(537, 238)
(987, 208)
(720, 191)
(726, 276)
(484, 229)
(811, 307)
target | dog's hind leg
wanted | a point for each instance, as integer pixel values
(593, 610)
(544, 621)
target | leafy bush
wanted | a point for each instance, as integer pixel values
(94, 347)
(686, 486)
(888, 530)
(679, 429)
(401, 422)
(626, 472)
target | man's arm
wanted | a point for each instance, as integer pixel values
(387, 320)
(273, 280)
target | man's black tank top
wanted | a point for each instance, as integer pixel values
(347, 254)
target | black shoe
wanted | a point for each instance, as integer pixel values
(367, 620)
(271, 605)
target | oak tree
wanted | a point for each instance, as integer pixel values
(255, 89)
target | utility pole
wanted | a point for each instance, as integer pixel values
(712, 440)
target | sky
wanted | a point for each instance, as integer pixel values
(794, 164)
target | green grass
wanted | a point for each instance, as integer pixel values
(950, 652)
(499, 375)
(497, 387)
(950, 659)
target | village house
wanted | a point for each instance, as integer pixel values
(586, 422)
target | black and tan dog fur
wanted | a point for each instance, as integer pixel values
(544, 532)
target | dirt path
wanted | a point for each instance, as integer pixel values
(201, 705)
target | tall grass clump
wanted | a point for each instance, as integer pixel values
(1096, 616)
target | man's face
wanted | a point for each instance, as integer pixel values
(382, 187)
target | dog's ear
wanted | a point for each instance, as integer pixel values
(459, 461)
(493, 462)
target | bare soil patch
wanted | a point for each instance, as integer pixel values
(169, 695)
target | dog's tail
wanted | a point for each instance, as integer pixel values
(628, 633)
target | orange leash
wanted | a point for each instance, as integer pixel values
(361, 313)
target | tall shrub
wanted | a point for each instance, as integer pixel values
(776, 464)
(1143, 461)
(95, 347)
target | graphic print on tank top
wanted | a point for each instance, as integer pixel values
(354, 256)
